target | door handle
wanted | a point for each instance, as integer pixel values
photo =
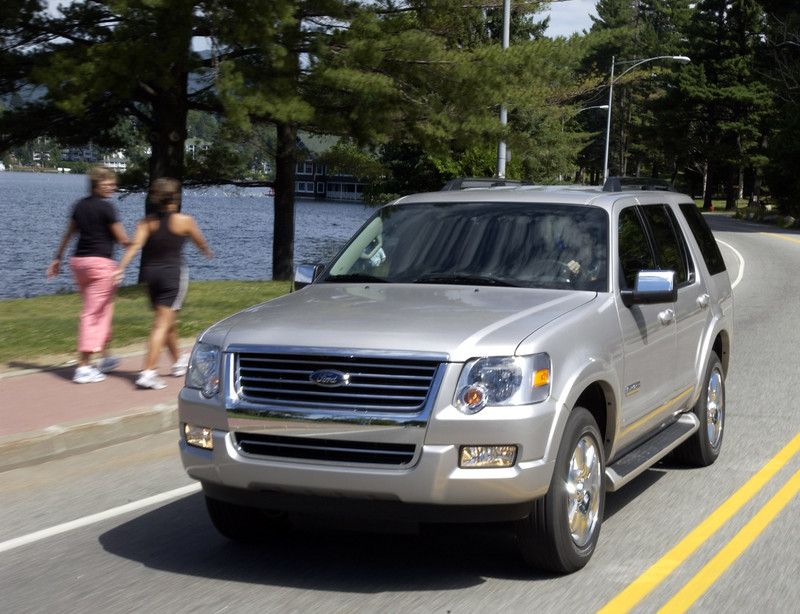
(666, 316)
(702, 301)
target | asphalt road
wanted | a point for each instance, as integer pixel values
(166, 557)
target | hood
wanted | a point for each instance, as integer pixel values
(460, 321)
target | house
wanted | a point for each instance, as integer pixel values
(312, 179)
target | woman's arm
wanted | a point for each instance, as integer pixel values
(55, 265)
(199, 240)
(139, 239)
(119, 234)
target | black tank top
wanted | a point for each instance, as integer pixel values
(163, 247)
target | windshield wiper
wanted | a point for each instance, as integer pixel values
(463, 279)
(354, 277)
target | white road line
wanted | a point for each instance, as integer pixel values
(99, 517)
(741, 262)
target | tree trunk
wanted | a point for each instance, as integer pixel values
(707, 176)
(167, 139)
(730, 190)
(169, 96)
(283, 225)
(740, 192)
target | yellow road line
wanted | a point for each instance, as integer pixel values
(792, 238)
(662, 568)
(709, 574)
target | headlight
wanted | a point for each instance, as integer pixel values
(503, 380)
(204, 369)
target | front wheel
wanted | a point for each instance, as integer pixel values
(561, 532)
(703, 448)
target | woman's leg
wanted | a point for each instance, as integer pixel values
(172, 338)
(163, 319)
(95, 279)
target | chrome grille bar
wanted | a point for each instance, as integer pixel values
(377, 383)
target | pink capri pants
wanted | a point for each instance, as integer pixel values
(95, 278)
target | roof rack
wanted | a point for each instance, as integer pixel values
(626, 184)
(465, 183)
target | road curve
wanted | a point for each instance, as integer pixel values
(166, 557)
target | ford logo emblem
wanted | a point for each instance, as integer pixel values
(329, 378)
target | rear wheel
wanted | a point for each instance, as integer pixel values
(703, 448)
(245, 524)
(561, 532)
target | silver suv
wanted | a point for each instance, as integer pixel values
(491, 354)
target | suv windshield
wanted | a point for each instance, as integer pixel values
(492, 244)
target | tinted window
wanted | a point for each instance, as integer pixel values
(702, 234)
(668, 242)
(634, 248)
(498, 244)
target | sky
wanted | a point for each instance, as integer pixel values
(571, 16)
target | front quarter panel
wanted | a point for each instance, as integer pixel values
(585, 348)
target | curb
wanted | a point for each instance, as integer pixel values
(64, 440)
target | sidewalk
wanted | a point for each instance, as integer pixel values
(44, 415)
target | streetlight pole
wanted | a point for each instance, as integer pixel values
(501, 146)
(634, 63)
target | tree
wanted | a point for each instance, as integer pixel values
(781, 67)
(727, 102)
(414, 72)
(419, 72)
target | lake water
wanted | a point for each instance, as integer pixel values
(237, 223)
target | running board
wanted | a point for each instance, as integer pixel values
(650, 452)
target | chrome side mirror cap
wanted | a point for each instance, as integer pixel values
(305, 274)
(652, 287)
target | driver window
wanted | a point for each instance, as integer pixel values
(634, 249)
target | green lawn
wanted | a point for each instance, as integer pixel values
(719, 203)
(47, 325)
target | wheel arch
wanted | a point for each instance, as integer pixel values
(722, 347)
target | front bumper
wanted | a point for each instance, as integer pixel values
(431, 485)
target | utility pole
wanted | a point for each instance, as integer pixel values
(501, 147)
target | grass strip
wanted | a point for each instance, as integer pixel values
(47, 325)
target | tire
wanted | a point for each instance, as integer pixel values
(561, 532)
(246, 524)
(702, 448)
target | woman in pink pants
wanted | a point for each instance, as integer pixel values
(97, 225)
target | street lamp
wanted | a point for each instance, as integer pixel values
(634, 63)
(597, 106)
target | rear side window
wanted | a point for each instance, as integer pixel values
(670, 247)
(702, 234)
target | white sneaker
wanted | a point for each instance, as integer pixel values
(149, 379)
(107, 363)
(87, 374)
(180, 366)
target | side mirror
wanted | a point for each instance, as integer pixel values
(651, 287)
(305, 274)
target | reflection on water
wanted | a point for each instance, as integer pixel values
(236, 221)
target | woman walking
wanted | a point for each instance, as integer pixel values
(161, 236)
(94, 219)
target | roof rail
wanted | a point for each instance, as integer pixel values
(626, 184)
(464, 183)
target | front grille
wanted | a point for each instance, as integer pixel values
(333, 450)
(377, 384)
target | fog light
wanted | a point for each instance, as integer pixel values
(476, 457)
(198, 436)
